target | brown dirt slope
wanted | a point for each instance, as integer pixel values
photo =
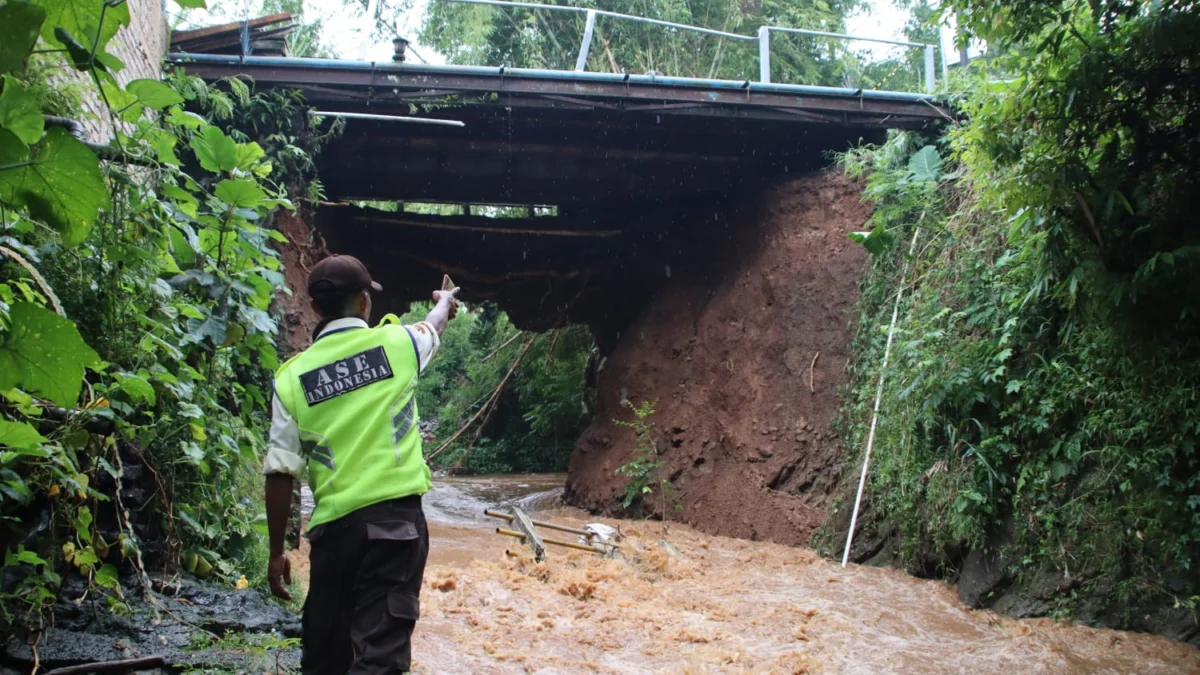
(298, 254)
(745, 358)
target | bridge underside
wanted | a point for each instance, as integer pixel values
(632, 164)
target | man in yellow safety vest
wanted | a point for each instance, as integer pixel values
(346, 408)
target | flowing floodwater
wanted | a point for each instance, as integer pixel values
(713, 605)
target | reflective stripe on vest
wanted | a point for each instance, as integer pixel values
(353, 396)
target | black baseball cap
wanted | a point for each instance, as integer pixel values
(340, 275)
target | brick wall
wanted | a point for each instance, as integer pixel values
(141, 46)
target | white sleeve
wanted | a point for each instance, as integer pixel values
(283, 446)
(426, 341)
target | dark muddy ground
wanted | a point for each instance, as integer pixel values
(190, 624)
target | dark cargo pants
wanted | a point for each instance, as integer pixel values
(364, 588)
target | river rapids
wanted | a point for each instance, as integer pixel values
(706, 604)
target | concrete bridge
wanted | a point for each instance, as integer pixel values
(608, 168)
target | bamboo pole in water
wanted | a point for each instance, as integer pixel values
(556, 542)
(887, 352)
(540, 523)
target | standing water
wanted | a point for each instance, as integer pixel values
(714, 605)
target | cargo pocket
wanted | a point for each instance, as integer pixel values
(392, 530)
(394, 556)
(402, 604)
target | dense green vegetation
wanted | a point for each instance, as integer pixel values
(136, 281)
(520, 397)
(1042, 392)
(137, 334)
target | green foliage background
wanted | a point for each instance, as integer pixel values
(1042, 392)
(540, 410)
(136, 334)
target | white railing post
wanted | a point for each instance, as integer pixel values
(586, 45)
(764, 54)
(930, 65)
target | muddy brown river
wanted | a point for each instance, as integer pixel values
(713, 605)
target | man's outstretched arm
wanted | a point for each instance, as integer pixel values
(445, 308)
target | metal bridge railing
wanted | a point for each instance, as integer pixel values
(763, 36)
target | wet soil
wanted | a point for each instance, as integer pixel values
(183, 624)
(743, 351)
(303, 249)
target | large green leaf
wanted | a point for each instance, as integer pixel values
(106, 577)
(182, 118)
(191, 4)
(153, 94)
(213, 328)
(81, 18)
(925, 165)
(216, 151)
(14, 155)
(137, 387)
(248, 155)
(19, 112)
(241, 193)
(61, 186)
(19, 435)
(42, 352)
(876, 241)
(20, 23)
(126, 105)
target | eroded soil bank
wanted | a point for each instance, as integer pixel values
(743, 350)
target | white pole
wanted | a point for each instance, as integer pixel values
(930, 78)
(588, 28)
(764, 54)
(387, 118)
(887, 352)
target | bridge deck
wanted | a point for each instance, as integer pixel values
(558, 137)
(641, 169)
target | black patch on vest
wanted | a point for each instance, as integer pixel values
(345, 375)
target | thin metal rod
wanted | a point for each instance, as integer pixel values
(602, 12)
(556, 542)
(764, 54)
(387, 118)
(930, 67)
(887, 352)
(586, 45)
(539, 523)
(510, 533)
(683, 26)
(840, 36)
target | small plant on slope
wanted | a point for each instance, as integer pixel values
(643, 470)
